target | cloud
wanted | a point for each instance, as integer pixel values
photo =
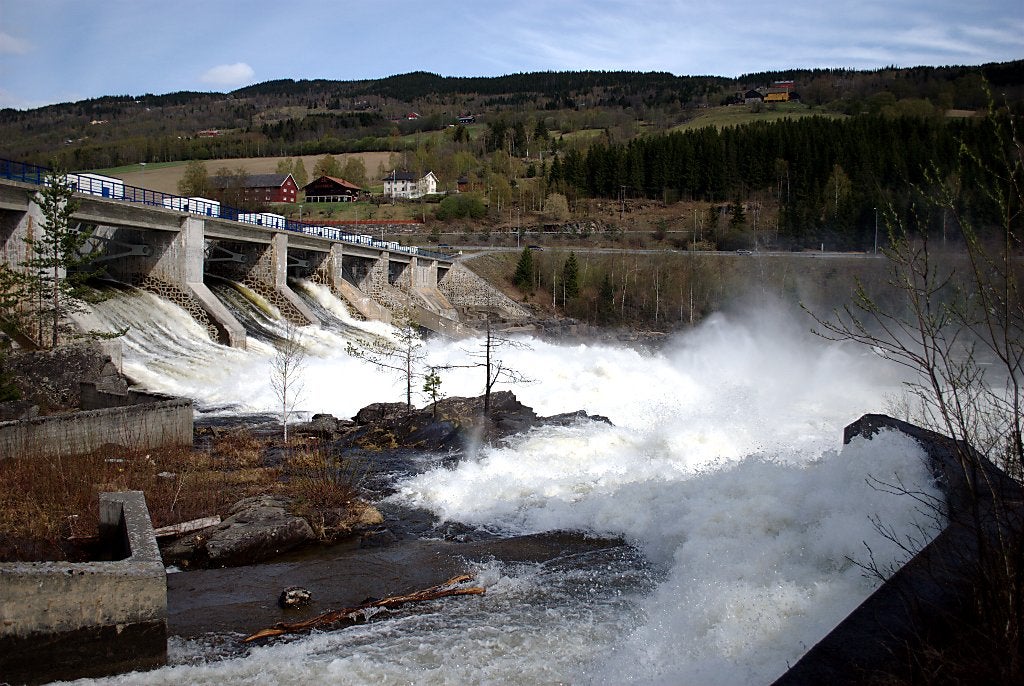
(228, 75)
(12, 45)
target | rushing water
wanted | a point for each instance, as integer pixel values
(723, 470)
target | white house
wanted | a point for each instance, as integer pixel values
(403, 184)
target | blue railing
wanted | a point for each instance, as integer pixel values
(115, 189)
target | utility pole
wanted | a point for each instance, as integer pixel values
(876, 230)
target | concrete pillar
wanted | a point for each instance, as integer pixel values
(186, 263)
(279, 255)
(17, 225)
(361, 302)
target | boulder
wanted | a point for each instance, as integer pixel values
(454, 424)
(325, 426)
(256, 529)
(378, 412)
(261, 527)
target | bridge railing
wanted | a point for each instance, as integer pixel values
(22, 171)
(115, 189)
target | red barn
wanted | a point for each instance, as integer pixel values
(259, 187)
(331, 189)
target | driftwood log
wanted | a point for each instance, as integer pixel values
(359, 612)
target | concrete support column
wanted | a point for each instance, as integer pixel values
(279, 255)
(187, 264)
(424, 273)
(17, 225)
(361, 302)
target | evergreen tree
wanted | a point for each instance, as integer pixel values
(523, 277)
(540, 131)
(432, 389)
(739, 217)
(570, 278)
(55, 274)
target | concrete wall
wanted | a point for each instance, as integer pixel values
(469, 293)
(72, 620)
(140, 421)
(927, 601)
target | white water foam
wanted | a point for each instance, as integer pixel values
(723, 466)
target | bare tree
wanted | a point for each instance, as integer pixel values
(487, 356)
(960, 332)
(286, 372)
(402, 355)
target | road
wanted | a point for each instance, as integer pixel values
(471, 251)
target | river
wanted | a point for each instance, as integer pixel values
(723, 471)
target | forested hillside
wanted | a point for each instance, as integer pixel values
(814, 169)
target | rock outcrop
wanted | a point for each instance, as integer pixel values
(455, 424)
(262, 527)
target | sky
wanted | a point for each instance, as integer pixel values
(67, 50)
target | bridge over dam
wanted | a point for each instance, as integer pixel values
(169, 245)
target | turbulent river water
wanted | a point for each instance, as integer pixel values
(724, 471)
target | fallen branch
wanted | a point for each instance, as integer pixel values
(357, 613)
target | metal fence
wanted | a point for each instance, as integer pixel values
(116, 189)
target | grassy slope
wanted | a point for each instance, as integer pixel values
(737, 115)
(164, 176)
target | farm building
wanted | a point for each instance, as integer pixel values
(331, 189)
(258, 187)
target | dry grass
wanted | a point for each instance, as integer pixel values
(321, 481)
(46, 501)
(49, 506)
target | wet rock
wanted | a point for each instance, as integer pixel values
(294, 597)
(377, 538)
(256, 529)
(378, 412)
(325, 426)
(570, 418)
(455, 424)
(260, 528)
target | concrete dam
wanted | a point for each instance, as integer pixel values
(165, 245)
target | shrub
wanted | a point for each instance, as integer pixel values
(461, 206)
